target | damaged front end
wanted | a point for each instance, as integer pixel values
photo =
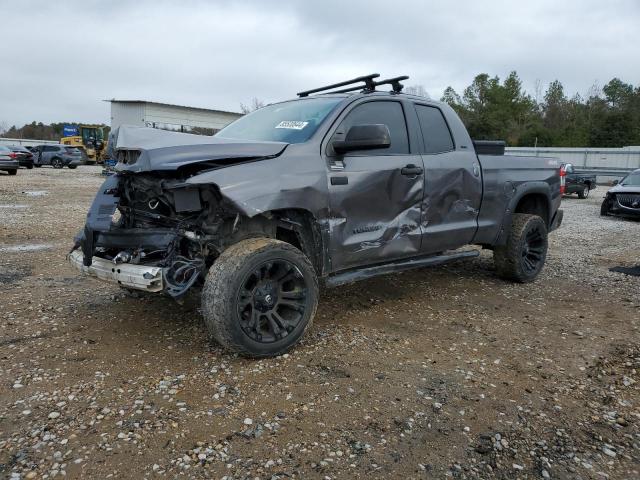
(152, 232)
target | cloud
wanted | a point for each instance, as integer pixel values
(61, 59)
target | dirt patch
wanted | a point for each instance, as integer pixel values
(441, 372)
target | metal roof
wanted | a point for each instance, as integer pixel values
(171, 105)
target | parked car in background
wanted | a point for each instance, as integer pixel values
(23, 155)
(624, 198)
(8, 161)
(574, 182)
(58, 156)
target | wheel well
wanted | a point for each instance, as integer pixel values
(294, 226)
(299, 228)
(534, 204)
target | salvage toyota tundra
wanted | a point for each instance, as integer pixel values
(344, 183)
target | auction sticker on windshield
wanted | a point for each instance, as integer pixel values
(292, 125)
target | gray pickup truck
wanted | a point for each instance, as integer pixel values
(343, 183)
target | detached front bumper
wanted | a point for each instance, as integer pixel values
(138, 277)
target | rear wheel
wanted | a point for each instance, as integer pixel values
(12, 172)
(260, 296)
(584, 193)
(523, 257)
(56, 162)
(29, 167)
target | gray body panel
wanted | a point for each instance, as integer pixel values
(366, 209)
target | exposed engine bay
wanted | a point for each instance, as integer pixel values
(166, 223)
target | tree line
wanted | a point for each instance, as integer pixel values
(502, 110)
(495, 110)
(37, 130)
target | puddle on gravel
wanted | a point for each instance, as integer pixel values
(10, 275)
(633, 271)
(34, 247)
(36, 193)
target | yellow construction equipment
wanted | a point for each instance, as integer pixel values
(91, 140)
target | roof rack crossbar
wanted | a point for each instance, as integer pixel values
(367, 79)
(394, 82)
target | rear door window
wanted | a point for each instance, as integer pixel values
(435, 132)
(386, 113)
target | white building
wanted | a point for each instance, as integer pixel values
(168, 117)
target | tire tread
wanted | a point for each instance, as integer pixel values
(218, 291)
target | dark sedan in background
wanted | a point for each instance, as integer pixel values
(624, 198)
(23, 155)
(8, 161)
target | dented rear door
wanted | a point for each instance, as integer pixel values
(375, 195)
(453, 185)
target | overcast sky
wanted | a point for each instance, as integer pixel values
(60, 59)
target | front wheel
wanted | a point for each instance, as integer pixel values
(12, 172)
(259, 297)
(523, 257)
(584, 193)
(604, 208)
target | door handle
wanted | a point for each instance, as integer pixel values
(411, 170)
(476, 170)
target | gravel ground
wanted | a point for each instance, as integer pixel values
(439, 372)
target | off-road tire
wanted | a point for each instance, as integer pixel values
(226, 278)
(12, 172)
(584, 193)
(509, 259)
(604, 208)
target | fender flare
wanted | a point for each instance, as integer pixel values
(526, 188)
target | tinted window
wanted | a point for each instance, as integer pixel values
(385, 113)
(48, 148)
(435, 132)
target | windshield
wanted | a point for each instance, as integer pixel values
(632, 180)
(290, 122)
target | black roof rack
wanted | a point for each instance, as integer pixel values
(365, 83)
(394, 82)
(367, 79)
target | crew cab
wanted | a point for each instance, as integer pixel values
(337, 185)
(575, 182)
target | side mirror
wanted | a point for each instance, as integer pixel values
(364, 137)
(615, 182)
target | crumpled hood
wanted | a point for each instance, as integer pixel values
(142, 149)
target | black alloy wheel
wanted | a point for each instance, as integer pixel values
(272, 301)
(260, 297)
(534, 249)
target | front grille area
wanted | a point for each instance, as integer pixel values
(629, 200)
(128, 157)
